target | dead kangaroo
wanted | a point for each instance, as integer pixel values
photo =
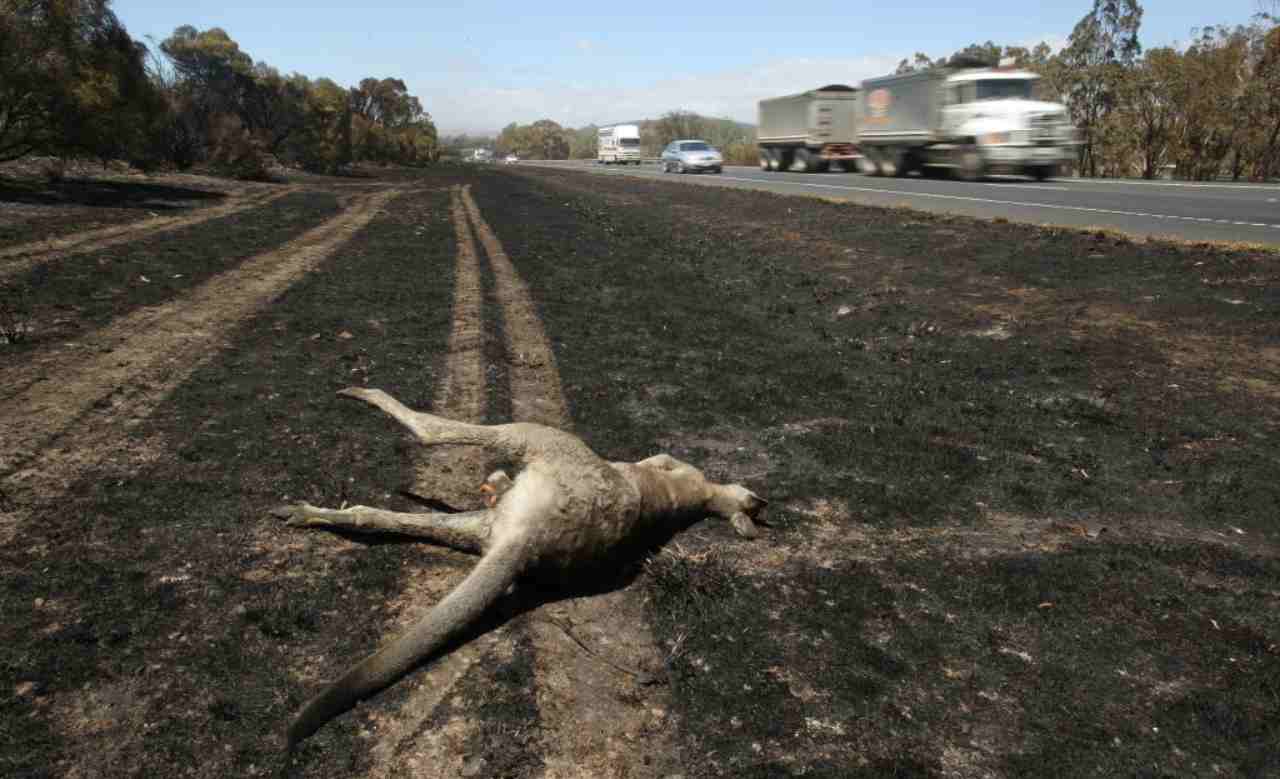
(566, 510)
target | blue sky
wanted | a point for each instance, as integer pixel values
(478, 66)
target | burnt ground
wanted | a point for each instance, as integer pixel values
(35, 208)
(1024, 485)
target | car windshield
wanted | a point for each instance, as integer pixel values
(629, 141)
(694, 146)
(1004, 89)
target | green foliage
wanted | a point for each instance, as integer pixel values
(734, 139)
(72, 81)
(542, 140)
(315, 124)
(582, 142)
(1100, 54)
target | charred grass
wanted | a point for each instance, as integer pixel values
(1000, 543)
(80, 290)
(156, 622)
(1023, 481)
(35, 208)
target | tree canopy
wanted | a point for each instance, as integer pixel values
(73, 82)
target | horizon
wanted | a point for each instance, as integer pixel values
(577, 66)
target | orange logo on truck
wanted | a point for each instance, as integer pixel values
(879, 101)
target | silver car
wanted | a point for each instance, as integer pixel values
(691, 155)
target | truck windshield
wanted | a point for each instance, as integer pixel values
(1004, 89)
(699, 146)
(629, 141)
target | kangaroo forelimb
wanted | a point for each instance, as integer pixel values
(466, 531)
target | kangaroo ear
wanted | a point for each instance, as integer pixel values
(743, 525)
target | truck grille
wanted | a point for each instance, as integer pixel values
(1045, 128)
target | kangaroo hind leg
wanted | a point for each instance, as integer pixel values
(496, 571)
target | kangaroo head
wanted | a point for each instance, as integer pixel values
(739, 504)
(732, 501)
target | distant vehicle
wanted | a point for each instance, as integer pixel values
(971, 120)
(691, 155)
(618, 144)
(481, 155)
(511, 159)
(811, 130)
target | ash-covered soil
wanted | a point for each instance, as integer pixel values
(1023, 490)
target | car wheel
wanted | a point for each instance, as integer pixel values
(680, 168)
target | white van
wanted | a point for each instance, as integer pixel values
(619, 144)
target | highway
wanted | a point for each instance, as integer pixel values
(1165, 209)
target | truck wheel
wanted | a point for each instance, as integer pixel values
(969, 166)
(888, 163)
(808, 161)
(764, 159)
(1042, 172)
(785, 158)
(874, 162)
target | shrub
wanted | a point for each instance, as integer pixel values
(235, 152)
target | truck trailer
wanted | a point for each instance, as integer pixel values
(619, 144)
(810, 130)
(972, 121)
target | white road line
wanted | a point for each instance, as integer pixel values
(1183, 184)
(971, 199)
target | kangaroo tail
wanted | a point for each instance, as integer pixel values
(485, 584)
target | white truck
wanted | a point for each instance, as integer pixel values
(618, 144)
(972, 121)
(808, 131)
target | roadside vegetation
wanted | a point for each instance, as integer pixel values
(74, 84)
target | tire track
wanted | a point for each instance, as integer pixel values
(407, 743)
(76, 406)
(595, 720)
(16, 260)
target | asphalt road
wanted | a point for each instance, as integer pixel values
(1191, 211)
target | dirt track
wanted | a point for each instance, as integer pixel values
(137, 361)
(585, 728)
(15, 260)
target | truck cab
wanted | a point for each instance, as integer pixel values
(970, 120)
(994, 110)
(619, 144)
